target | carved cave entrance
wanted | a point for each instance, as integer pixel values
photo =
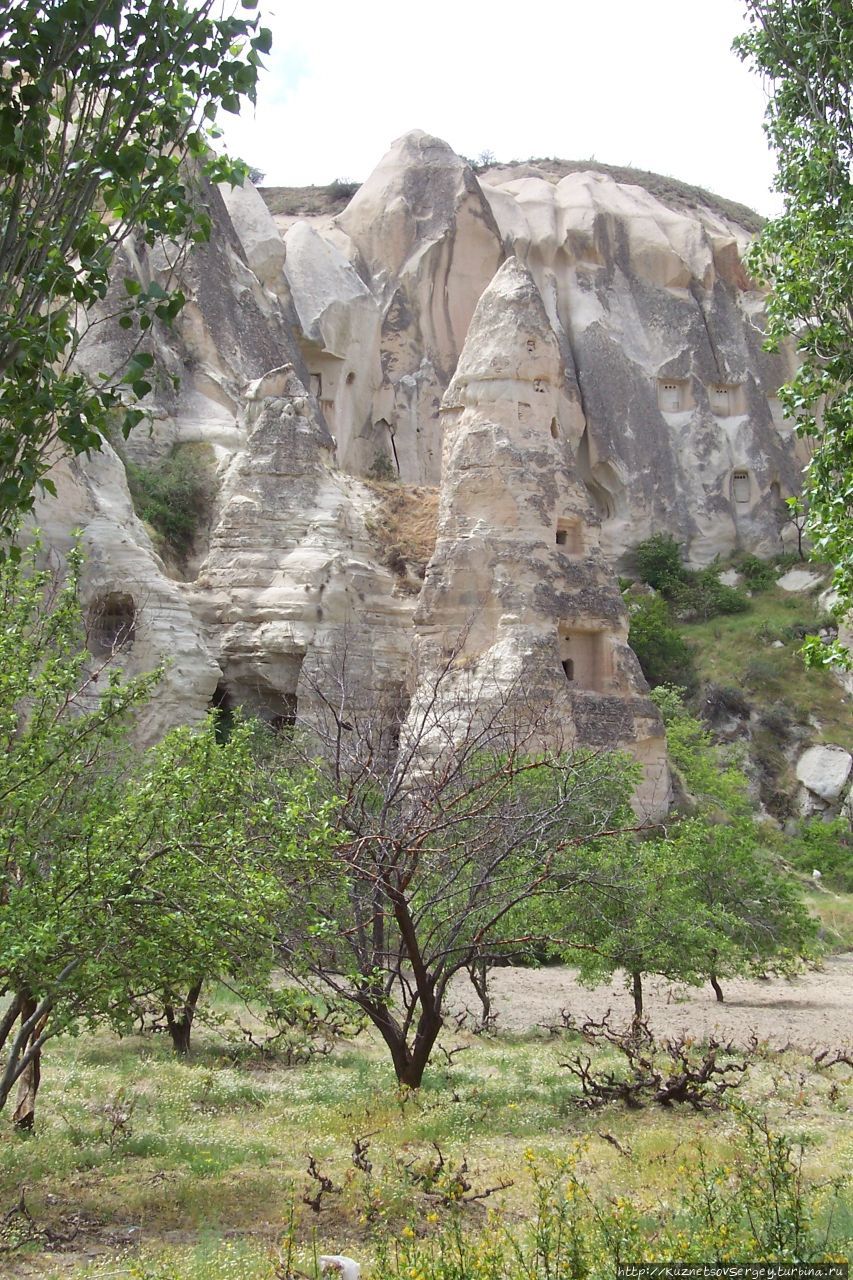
(584, 658)
(112, 623)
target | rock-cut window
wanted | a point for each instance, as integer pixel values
(740, 486)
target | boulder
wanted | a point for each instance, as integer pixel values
(824, 771)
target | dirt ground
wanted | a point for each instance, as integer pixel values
(814, 1010)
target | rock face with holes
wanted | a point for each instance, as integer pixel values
(292, 595)
(518, 589)
(658, 325)
(610, 385)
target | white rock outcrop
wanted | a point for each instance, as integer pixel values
(823, 773)
(612, 384)
(518, 588)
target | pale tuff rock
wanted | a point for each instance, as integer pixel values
(154, 625)
(797, 580)
(662, 337)
(291, 582)
(340, 322)
(421, 235)
(658, 325)
(823, 773)
(258, 235)
(517, 588)
(612, 385)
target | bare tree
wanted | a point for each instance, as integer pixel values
(461, 841)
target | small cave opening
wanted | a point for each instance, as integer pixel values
(555, 429)
(570, 537)
(583, 657)
(285, 718)
(222, 707)
(112, 623)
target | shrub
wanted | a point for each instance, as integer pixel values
(702, 595)
(659, 562)
(827, 846)
(176, 497)
(720, 702)
(693, 594)
(757, 574)
(663, 654)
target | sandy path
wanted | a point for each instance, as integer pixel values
(815, 1009)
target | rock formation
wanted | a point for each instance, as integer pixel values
(611, 384)
(518, 587)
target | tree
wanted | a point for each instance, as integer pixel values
(662, 651)
(105, 113)
(804, 50)
(120, 876)
(703, 902)
(460, 840)
(751, 904)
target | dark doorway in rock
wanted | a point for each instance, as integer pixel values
(286, 718)
(222, 706)
(568, 669)
(112, 623)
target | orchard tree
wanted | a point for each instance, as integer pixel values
(704, 901)
(122, 877)
(804, 51)
(460, 841)
(751, 904)
(106, 109)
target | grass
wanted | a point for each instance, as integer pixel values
(208, 1161)
(835, 913)
(739, 649)
(332, 198)
(405, 521)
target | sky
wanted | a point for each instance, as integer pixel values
(652, 84)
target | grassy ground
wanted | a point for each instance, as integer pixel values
(202, 1164)
(740, 649)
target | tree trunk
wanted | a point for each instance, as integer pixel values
(429, 1025)
(478, 972)
(180, 1025)
(718, 990)
(409, 1062)
(637, 993)
(24, 1116)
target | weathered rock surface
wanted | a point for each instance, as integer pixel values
(658, 324)
(612, 385)
(823, 772)
(518, 588)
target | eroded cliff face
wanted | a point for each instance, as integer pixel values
(611, 384)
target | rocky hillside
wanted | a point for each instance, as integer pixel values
(446, 408)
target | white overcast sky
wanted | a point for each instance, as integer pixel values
(649, 83)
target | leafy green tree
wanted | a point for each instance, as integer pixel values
(704, 902)
(642, 919)
(753, 904)
(105, 115)
(661, 650)
(804, 51)
(120, 877)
